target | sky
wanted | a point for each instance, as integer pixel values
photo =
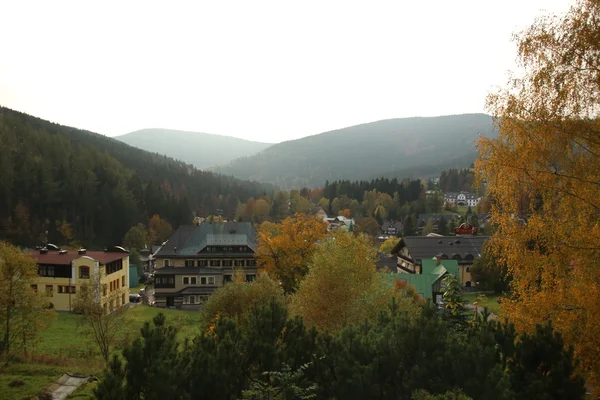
(268, 71)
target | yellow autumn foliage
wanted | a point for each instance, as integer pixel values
(543, 177)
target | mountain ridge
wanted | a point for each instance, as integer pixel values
(363, 151)
(200, 149)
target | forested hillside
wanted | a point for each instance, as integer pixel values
(202, 150)
(85, 187)
(413, 147)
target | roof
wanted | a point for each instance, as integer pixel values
(461, 248)
(55, 258)
(187, 271)
(454, 195)
(384, 261)
(430, 266)
(189, 240)
(422, 283)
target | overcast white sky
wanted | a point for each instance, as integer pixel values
(267, 71)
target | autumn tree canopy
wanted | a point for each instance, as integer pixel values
(20, 305)
(545, 167)
(342, 286)
(285, 249)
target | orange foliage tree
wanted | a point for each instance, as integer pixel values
(285, 249)
(159, 230)
(548, 152)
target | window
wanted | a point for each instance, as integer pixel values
(192, 299)
(211, 280)
(46, 270)
(239, 263)
(193, 280)
(123, 299)
(189, 263)
(62, 289)
(123, 281)
(241, 248)
(186, 280)
(227, 263)
(202, 263)
(171, 281)
(49, 290)
(215, 263)
(105, 307)
(203, 280)
(34, 288)
(227, 278)
(72, 289)
(251, 263)
(84, 272)
(468, 269)
(165, 263)
(114, 266)
(250, 277)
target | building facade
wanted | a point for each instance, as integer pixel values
(64, 273)
(198, 259)
(412, 250)
(462, 198)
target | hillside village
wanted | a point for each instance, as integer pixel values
(443, 257)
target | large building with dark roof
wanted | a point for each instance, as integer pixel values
(412, 250)
(198, 259)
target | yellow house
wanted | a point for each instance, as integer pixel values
(62, 273)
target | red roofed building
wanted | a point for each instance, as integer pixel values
(64, 272)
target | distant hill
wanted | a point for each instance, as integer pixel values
(404, 147)
(85, 187)
(199, 149)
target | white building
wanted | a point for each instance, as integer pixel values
(462, 198)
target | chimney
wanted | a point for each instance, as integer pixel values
(81, 251)
(175, 250)
(438, 259)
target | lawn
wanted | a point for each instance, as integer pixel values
(492, 301)
(63, 348)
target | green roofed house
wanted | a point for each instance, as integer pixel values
(429, 282)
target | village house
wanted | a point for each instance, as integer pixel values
(63, 274)
(462, 198)
(429, 283)
(411, 251)
(198, 259)
(392, 227)
(437, 221)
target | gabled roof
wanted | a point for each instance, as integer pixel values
(189, 240)
(56, 258)
(461, 248)
(430, 266)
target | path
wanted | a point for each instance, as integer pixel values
(66, 385)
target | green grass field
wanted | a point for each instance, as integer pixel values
(492, 301)
(64, 348)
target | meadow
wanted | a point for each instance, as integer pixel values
(64, 347)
